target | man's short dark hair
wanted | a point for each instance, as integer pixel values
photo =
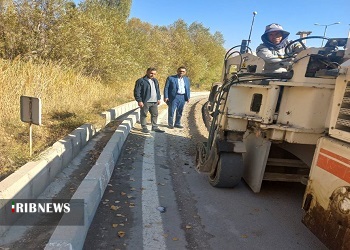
(181, 67)
(151, 69)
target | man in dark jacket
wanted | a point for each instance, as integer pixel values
(176, 93)
(147, 95)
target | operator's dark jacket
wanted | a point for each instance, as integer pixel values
(142, 90)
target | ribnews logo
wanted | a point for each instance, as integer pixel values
(31, 207)
(42, 212)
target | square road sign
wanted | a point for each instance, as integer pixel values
(31, 110)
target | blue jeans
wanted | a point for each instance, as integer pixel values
(176, 105)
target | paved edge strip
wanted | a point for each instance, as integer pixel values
(153, 232)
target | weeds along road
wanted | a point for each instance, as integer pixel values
(157, 200)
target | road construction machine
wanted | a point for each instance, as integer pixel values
(292, 126)
(327, 197)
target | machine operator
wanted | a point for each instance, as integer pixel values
(272, 50)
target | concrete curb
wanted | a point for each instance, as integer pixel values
(113, 113)
(92, 188)
(30, 180)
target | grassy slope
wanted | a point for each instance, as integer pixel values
(69, 100)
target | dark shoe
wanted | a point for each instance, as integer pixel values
(178, 126)
(158, 130)
(170, 126)
(145, 130)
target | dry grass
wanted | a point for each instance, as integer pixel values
(68, 98)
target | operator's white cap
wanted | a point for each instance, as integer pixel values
(276, 27)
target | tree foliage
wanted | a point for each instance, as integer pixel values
(98, 38)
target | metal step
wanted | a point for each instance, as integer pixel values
(286, 170)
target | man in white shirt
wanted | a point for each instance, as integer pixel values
(176, 94)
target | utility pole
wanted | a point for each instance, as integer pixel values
(325, 28)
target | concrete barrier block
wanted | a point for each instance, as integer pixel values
(101, 172)
(83, 135)
(108, 150)
(115, 149)
(69, 237)
(124, 108)
(122, 131)
(96, 172)
(117, 112)
(13, 184)
(135, 116)
(106, 117)
(67, 153)
(87, 133)
(114, 113)
(113, 140)
(73, 237)
(59, 146)
(112, 152)
(40, 181)
(54, 159)
(128, 123)
(118, 149)
(18, 185)
(39, 175)
(90, 191)
(75, 138)
(45, 175)
(55, 167)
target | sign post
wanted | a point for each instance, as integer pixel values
(30, 139)
(30, 113)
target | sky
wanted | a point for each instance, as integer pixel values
(233, 18)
